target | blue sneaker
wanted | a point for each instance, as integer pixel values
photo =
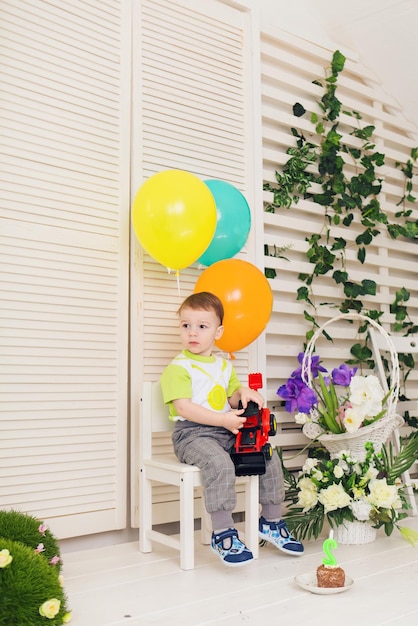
(277, 534)
(230, 549)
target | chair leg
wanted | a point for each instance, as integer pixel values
(252, 514)
(187, 522)
(145, 512)
(206, 525)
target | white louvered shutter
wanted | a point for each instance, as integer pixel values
(64, 249)
(194, 106)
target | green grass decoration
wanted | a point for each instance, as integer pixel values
(31, 587)
(25, 584)
(32, 533)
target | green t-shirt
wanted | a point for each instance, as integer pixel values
(207, 380)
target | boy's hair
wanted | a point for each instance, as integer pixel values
(206, 301)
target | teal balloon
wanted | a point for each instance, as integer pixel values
(233, 222)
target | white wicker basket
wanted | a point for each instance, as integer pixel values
(354, 533)
(378, 432)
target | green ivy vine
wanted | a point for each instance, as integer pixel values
(321, 160)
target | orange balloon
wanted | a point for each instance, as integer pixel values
(247, 299)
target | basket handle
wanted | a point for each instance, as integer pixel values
(394, 378)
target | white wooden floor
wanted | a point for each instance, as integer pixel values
(117, 585)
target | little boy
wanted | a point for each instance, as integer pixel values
(203, 391)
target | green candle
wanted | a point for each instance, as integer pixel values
(328, 546)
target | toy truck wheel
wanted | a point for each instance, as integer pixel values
(267, 451)
(273, 426)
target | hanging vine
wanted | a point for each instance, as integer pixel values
(316, 170)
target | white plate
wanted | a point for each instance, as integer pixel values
(309, 582)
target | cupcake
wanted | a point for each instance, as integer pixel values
(330, 576)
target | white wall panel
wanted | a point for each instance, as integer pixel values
(64, 249)
(195, 97)
(288, 66)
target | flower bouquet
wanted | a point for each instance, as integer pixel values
(343, 490)
(341, 409)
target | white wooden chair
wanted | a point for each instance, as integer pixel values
(163, 467)
(404, 345)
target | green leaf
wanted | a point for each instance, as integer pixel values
(330, 403)
(308, 316)
(361, 254)
(402, 295)
(303, 294)
(298, 110)
(338, 62)
(361, 352)
(365, 238)
(339, 276)
(270, 273)
(339, 243)
(351, 290)
(396, 466)
(369, 287)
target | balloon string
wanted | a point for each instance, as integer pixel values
(178, 281)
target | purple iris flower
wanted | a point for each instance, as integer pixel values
(342, 375)
(314, 363)
(298, 396)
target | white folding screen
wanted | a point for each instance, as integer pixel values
(64, 236)
(195, 101)
(83, 125)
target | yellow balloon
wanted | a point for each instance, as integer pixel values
(174, 217)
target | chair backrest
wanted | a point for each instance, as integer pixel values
(153, 418)
(159, 410)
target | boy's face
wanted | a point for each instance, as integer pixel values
(199, 329)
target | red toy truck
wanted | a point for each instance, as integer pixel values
(252, 448)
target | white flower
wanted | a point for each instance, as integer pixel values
(334, 497)
(371, 473)
(5, 558)
(309, 465)
(307, 499)
(338, 471)
(356, 468)
(302, 418)
(361, 509)
(367, 392)
(50, 608)
(381, 494)
(345, 458)
(308, 495)
(307, 484)
(353, 418)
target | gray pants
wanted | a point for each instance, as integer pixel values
(208, 448)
